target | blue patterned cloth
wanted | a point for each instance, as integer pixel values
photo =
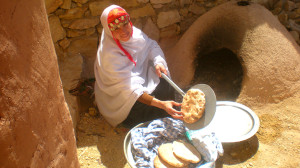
(146, 140)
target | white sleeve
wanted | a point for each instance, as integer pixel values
(157, 55)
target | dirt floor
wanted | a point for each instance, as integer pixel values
(275, 145)
(98, 144)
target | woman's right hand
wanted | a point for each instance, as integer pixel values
(168, 107)
(159, 68)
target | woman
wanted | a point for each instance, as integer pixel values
(128, 68)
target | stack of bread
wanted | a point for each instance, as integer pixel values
(176, 154)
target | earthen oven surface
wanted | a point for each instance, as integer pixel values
(35, 124)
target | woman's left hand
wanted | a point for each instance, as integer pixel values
(168, 106)
(159, 68)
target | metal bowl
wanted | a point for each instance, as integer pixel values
(127, 145)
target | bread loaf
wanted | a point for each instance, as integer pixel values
(193, 105)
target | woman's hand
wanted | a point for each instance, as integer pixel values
(159, 68)
(168, 107)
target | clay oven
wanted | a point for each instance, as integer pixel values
(267, 57)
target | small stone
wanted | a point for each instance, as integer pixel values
(142, 1)
(79, 4)
(168, 18)
(66, 4)
(160, 1)
(128, 4)
(184, 12)
(151, 30)
(142, 12)
(92, 111)
(170, 31)
(157, 6)
(64, 43)
(75, 33)
(97, 7)
(184, 2)
(57, 31)
(52, 5)
(73, 13)
(65, 22)
(81, 1)
(276, 11)
(87, 13)
(84, 23)
(90, 31)
(197, 10)
(59, 12)
(283, 18)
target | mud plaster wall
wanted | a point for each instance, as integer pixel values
(269, 55)
(35, 124)
(76, 28)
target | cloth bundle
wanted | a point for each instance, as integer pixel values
(207, 144)
(145, 142)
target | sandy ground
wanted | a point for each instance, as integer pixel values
(98, 144)
(276, 144)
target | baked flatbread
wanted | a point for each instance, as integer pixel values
(159, 163)
(193, 105)
(186, 151)
(165, 153)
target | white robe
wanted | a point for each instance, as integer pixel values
(119, 83)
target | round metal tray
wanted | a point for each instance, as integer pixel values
(234, 122)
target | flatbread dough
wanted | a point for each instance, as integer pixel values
(165, 152)
(186, 151)
(193, 105)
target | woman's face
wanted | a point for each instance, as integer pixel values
(123, 33)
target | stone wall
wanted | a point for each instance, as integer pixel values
(71, 20)
(76, 28)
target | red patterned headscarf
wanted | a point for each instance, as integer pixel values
(116, 18)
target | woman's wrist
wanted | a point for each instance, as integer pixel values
(145, 98)
(157, 103)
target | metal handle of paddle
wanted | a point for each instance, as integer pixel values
(172, 84)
